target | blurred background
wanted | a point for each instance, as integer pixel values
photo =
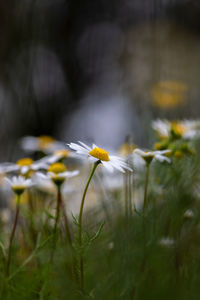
(96, 70)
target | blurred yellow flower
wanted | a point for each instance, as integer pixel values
(127, 149)
(45, 141)
(168, 94)
(57, 168)
(25, 162)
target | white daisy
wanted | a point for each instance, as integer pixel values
(95, 154)
(19, 183)
(57, 173)
(44, 143)
(162, 128)
(58, 155)
(23, 165)
(148, 156)
(186, 129)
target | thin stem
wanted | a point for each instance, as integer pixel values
(80, 225)
(69, 235)
(126, 193)
(56, 224)
(146, 187)
(12, 236)
(62, 205)
(130, 194)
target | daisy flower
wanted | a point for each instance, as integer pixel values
(24, 166)
(58, 173)
(43, 143)
(57, 156)
(148, 156)
(186, 129)
(96, 154)
(19, 184)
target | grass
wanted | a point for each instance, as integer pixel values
(156, 256)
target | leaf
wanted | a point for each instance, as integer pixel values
(96, 235)
(3, 249)
(31, 256)
(49, 214)
(76, 222)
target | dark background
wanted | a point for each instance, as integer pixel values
(85, 69)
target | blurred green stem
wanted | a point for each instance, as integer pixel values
(56, 223)
(80, 225)
(12, 236)
(68, 232)
(146, 187)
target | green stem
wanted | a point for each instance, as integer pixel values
(126, 193)
(146, 187)
(67, 228)
(130, 194)
(12, 236)
(80, 225)
(56, 224)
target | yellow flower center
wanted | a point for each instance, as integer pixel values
(25, 162)
(44, 141)
(100, 154)
(62, 153)
(57, 168)
(178, 154)
(178, 128)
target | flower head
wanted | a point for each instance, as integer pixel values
(186, 129)
(58, 173)
(19, 184)
(44, 143)
(148, 156)
(58, 156)
(95, 154)
(24, 166)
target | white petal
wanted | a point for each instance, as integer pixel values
(85, 146)
(24, 169)
(139, 152)
(162, 158)
(118, 167)
(108, 166)
(70, 174)
(92, 159)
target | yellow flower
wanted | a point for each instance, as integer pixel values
(25, 162)
(44, 141)
(168, 94)
(57, 168)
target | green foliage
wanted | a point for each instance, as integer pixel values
(156, 256)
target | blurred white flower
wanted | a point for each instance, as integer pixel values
(186, 129)
(23, 165)
(58, 156)
(19, 183)
(44, 143)
(188, 214)
(95, 154)
(167, 242)
(57, 173)
(148, 156)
